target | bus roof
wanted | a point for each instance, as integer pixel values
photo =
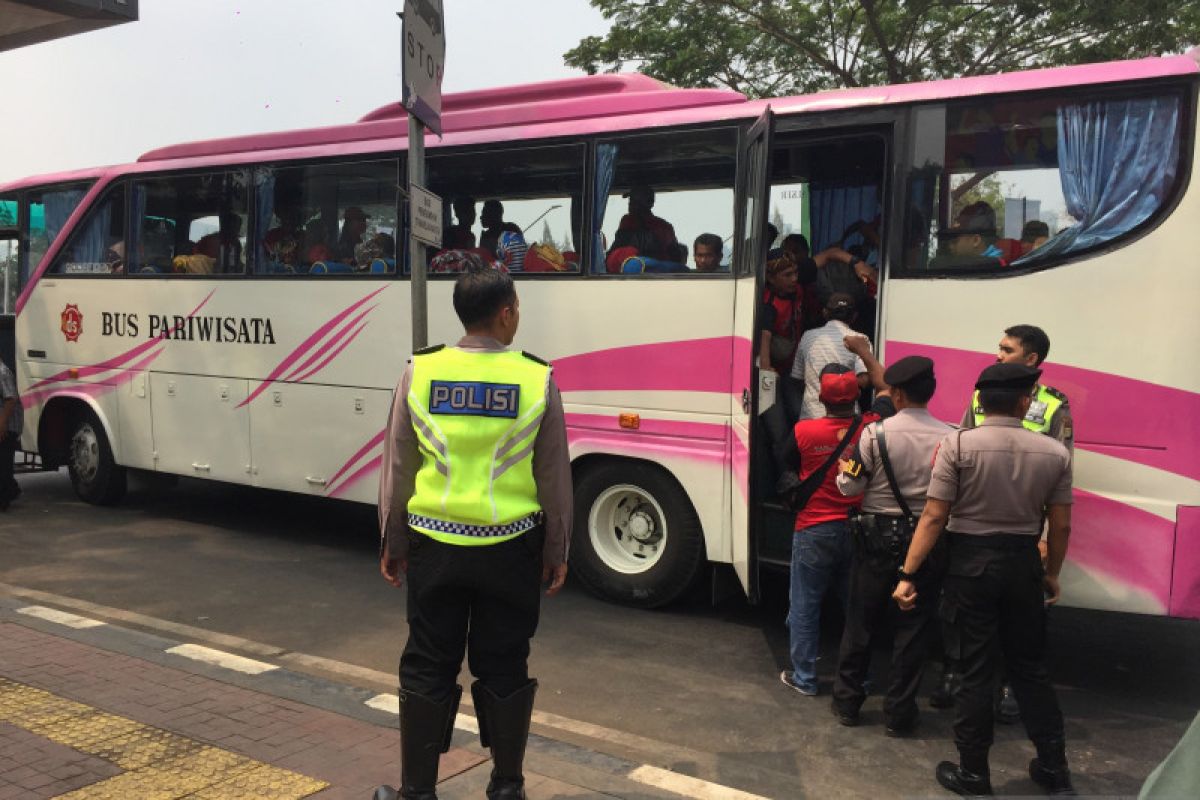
(71, 176)
(587, 104)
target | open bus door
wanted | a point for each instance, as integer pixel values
(750, 248)
(9, 277)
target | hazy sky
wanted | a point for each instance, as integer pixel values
(198, 69)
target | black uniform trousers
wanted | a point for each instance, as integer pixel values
(483, 600)
(872, 611)
(8, 484)
(994, 602)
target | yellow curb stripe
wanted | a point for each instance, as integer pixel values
(158, 764)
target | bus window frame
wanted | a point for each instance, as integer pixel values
(1188, 93)
(24, 268)
(117, 183)
(399, 205)
(587, 168)
(736, 128)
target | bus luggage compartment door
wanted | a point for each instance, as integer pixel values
(201, 428)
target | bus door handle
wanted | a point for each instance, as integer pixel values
(201, 467)
(315, 481)
(746, 400)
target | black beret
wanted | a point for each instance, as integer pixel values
(909, 368)
(1008, 376)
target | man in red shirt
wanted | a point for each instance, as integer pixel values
(653, 236)
(821, 548)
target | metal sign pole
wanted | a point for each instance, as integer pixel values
(416, 249)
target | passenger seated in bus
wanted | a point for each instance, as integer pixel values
(315, 246)
(224, 246)
(971, 240)
(354, 226)
(493, 223)
(653, 236)
(461, 235)
(380, 247)
(114, 256)
(707, 251)
(282, 243)
(1034, 234)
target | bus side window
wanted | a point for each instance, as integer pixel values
(326, 219)
(47, 213)
(97, 246)
(988, 191)
(520, 207)
(665, 204)
(192, 224)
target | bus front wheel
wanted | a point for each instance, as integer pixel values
(96, 476)
(637, 539)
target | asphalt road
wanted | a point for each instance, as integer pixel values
(692, 688)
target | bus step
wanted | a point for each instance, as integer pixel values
(27, 462)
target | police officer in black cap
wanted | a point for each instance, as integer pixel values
(890, 468)
(990, 488)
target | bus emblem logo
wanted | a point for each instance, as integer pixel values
(72, 322)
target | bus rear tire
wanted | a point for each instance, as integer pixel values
(637, 539)
(96, 476)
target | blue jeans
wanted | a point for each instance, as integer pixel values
(820, 558)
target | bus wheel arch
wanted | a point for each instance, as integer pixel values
(637, 539)
(72, 433)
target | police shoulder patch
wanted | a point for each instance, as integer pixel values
(424, 351)
(1055, 393)
(532, 357)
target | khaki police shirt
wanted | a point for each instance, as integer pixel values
(912, 435)
(999, 478)
(402, 459)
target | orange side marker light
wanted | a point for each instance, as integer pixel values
(630, 421)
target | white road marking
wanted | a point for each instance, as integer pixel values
(384, 702)
(391, 704)
(221, 659)
(61, 617)
(687, 786)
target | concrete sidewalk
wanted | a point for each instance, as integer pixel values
(92, 710)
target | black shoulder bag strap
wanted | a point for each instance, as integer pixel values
(800, 496)
(881, 440)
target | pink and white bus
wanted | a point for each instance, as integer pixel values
(233, 310)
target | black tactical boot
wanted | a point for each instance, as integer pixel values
(1007, 710)
(425, 730)
(943, 695)
(504, 727)
(1049, 769)
(960, 781)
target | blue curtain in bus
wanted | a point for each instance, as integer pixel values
(264, 209)
(57, 207)
(93, 242)
(835, 207)
(606, 163)
(1117, 162)
(135, 254)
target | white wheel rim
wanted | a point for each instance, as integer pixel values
(628, 529)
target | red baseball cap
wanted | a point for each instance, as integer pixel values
(839, 388)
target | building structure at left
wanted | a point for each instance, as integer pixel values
(26, 22)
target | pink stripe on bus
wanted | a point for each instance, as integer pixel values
(30, 399)
(663, 427)
(693, 365)
(334, 354)
(306, 345)
(658, 447)
(364, 471)
(1129, 419)
(116, 361)
(374, 441)
(334, 339)
(1125, 545)
(1185, 582)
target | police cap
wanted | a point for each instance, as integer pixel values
(909, 368)
(1008, 376)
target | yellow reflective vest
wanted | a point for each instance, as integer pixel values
(1046, 403)
(476, 416)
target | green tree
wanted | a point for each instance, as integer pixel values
(772, 47)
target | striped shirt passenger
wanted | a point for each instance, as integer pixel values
(822, 346)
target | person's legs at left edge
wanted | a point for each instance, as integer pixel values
(9, 489)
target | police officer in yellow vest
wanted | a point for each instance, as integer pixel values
(475, 510)
(1049, 413)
